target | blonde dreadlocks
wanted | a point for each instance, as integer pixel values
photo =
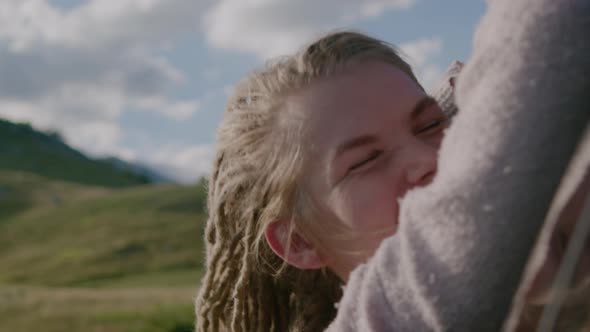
(256, 180)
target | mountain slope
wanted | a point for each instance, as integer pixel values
(23, 148)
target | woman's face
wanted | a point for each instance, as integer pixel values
(374, 135)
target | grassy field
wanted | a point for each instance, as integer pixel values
(137, 309)
(77, 257)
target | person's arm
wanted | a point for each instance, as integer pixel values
(464, 241)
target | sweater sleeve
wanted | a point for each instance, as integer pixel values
(464, 241)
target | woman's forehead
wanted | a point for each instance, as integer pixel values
(363, 98)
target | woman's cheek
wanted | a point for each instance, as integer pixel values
(380, 210)
(370, 201)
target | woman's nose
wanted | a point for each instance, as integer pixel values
(421, 164)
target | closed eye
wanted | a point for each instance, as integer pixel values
(369, 158)
(434, 125)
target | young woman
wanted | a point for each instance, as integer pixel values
(305, 185)
(314, 153)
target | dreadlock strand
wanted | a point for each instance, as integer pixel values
(239, 320)
(222, 287)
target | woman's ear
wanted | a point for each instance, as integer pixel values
(292, 248)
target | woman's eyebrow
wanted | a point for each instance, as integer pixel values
(422, 105)
(355, 143)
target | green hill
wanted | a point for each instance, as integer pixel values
(93, 244)
(76, 257)
(21, 191)
(25, 149)
(110, 235)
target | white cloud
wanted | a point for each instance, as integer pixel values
(430, 76)
(78, 70)
(185, 163)
(420, 53)
(85, 115)
(376, 8)
(98, 23)
(179, 110)
(269, 28)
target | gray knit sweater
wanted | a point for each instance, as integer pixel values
(463, 243)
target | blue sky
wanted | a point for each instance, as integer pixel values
(146, 80)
